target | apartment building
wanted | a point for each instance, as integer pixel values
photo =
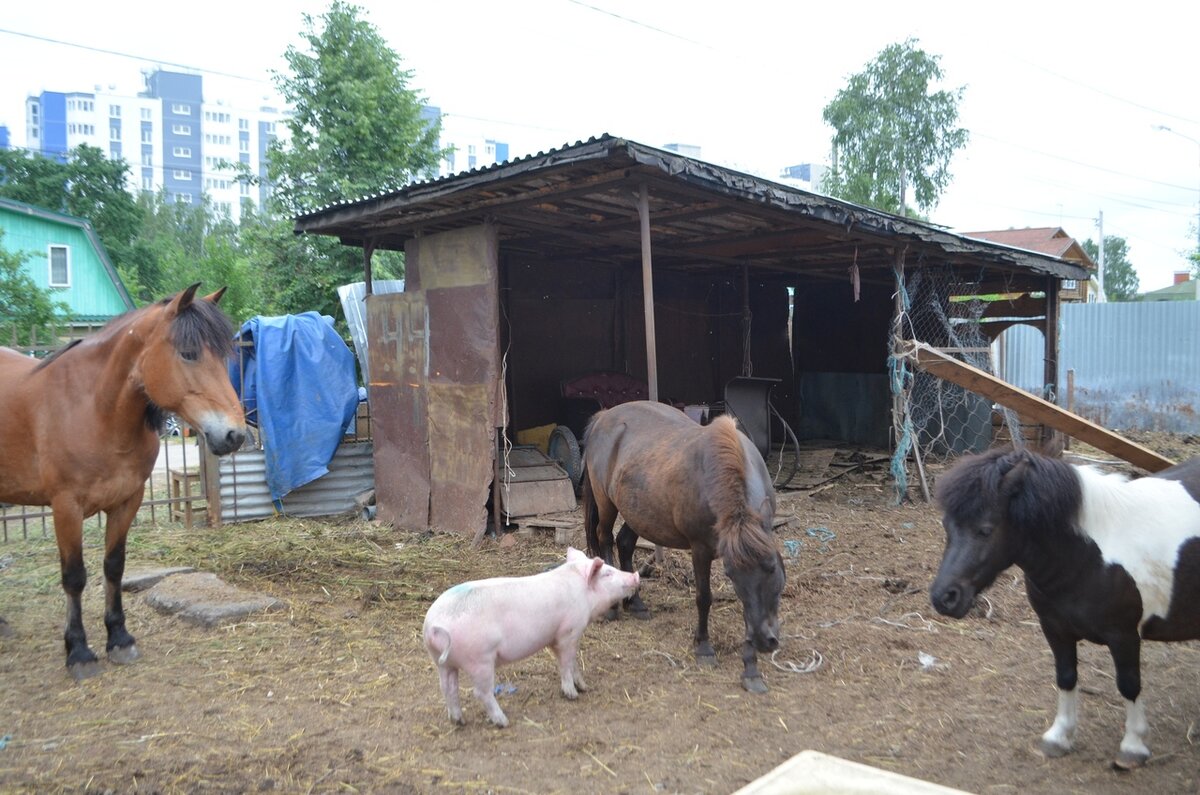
(171, 136)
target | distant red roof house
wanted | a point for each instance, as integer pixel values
(1050, 240)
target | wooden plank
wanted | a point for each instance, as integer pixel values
(529, 499)
(937, 363)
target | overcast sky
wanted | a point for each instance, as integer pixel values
(1061, 98)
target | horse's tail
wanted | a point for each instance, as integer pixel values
(741, 538)
(591, 514)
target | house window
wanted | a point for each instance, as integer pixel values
(183, 198)
(182, 174)
(147, 136)
(243, 124)
(60, 266)
(181, 109)
(114, 132)
(181, 129)
(114, 111)
(1069, 284)
(146, 114)
(181, 151)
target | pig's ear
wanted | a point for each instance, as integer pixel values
(574, 554)
(594, 570)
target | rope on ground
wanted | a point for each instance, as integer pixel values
(813, 663)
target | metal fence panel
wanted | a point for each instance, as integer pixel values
(246, 497)
(1137, 364)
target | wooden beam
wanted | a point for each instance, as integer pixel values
(933, 361)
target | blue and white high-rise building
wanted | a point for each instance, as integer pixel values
(172, 138)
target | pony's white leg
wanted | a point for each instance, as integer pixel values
(1134, 752)
(1058, 739)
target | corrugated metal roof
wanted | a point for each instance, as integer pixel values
(577, 201)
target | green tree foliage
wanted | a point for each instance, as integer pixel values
(892, 132)
(180, 244)
(355, 129)
(1120, 279)
(23, 305)
(87, 185)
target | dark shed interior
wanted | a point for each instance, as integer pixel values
(748, 278)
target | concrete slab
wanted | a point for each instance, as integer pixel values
(815, 773)
(204, 599)
(143, 579)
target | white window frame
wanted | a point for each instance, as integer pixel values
(181, 129)
(182, 174)
(50, 249)
(181, 109)
(181, 151)
(147, 114)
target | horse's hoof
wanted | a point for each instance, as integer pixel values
(1130, 760)
(85, 670)
(1053, 750)
(612, 614)
(754, 684)
(640, 615)
(706, 660)
(124, 655)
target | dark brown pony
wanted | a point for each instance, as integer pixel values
(687, 486)
(79, 431)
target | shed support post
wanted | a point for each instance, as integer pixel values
(368, 250)
(1050, 374)
(648, 309)
(648, 293)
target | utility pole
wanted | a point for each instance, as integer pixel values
(1102, 298)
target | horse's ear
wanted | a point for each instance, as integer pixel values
(182, 300)
(1053, 445)
(215, 297)
(1010, 481)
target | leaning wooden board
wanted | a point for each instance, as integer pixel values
(933, 361)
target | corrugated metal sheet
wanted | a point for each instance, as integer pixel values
(246, 497)
(1137, 365)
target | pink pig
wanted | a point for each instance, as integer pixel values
(480, 624)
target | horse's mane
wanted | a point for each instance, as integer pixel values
(1033, 492)
(741, 539)
(201, 325)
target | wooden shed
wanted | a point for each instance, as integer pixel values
(610, 255)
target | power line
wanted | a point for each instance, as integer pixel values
(122, 54)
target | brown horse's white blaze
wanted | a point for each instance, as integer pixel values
(1106, 559)
(84, 425)
(684, 486)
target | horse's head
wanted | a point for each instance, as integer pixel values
(981, 539)
(183, 367)
(759, 583)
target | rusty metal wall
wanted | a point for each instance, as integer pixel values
(435, 369)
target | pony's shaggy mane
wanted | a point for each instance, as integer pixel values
(1030, 491)
(741, 540)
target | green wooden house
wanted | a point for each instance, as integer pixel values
(66, 256)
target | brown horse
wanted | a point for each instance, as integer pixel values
(79, 432)
(687, 486)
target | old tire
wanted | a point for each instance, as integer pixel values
(564, 448)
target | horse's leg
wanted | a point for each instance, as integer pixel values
(121, 646)
(1059, 738)
(626, 542)
(1126, 654)
(604, 513)
(751, 678)
(68, 531)
(702, 568)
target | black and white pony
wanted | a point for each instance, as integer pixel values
(1106, 559)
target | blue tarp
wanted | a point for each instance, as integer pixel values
(298, 384)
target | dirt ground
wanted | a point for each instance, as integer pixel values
(336, 693)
